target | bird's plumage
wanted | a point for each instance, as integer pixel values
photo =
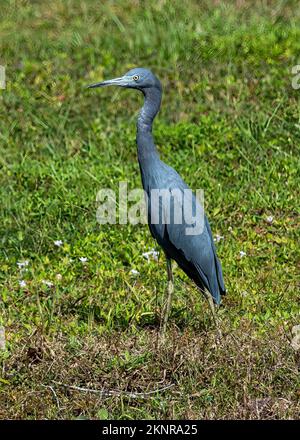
(195, 254)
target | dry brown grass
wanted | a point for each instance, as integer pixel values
(242, 376)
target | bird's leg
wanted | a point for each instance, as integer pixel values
(167, 305)
(213, 310)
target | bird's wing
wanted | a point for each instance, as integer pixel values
(190, 241)
(199, 254)
(217, 261)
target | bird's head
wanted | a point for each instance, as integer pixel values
(138, 78)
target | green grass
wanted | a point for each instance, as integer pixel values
(230, 124)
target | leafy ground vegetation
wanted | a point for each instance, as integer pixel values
(73, 312)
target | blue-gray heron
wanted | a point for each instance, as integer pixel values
(195, 253)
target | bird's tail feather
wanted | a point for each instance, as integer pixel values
(220, 276)
(211, 284)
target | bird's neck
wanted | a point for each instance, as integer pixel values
(146, 147)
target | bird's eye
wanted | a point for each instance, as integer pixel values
(136, 77)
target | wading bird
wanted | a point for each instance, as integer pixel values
(195, 253)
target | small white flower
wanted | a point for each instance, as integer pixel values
(270, 219)
(134, 272)
(22, 264)
(155, 255)
(146, 255)
(58, 243)
(152, 253)
(22, 283)
(2, 338)
(47, 283)
(83, 259)
(296, 339)
(242, 254)
(218, 238)
(58, 276)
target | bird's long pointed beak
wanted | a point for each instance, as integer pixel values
(121, 82)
